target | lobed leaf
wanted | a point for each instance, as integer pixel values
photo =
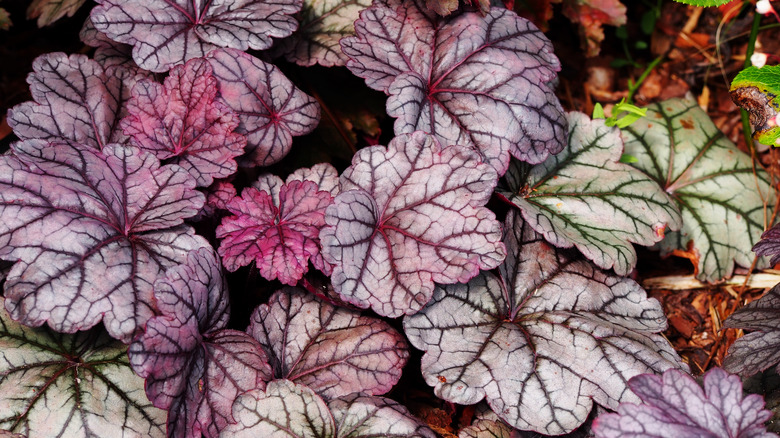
(481, 82)
(769, 245)
(90, 231)
(760, 349)
(409, 215)
(164, 33)
(286, 409)
(543, 341)
(181, 122)
(720, 195)
(585, 197)
(675, 405)
(80, 385)
(332, 350)
(271, 109)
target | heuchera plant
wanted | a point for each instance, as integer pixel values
(172, 127)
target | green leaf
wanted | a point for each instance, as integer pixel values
(49, 11)
(80, 385)
(712, 181)
(756, 90)
(584, 197)
(704, 3)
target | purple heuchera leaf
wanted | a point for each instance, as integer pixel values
(277, 226)
(90, 232)
(75, 99)
(182, 122)
(193, 366)
(332, 350)
(676, 406)
(769, 245)
(169, 32)
(482, 82)
(271, 109)
(759, 350)
(107, 51)
(409, 215)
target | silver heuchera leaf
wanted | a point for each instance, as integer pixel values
(542, 343)
(107, 51)
(90, 232)
(332, 350)
(409, 215)
(193, 367)
(75, 386)
(75, 99)
(164, 33)
(720, 194)
(585, 197)
(271, 110)
(759, 350)
(481, 82)
(286, 409)
(676, 406)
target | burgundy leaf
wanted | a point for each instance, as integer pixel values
(169, 32)
(218, 195)
(194, 367)
(769, 245)
(275, 225)
(271, 109)
(409, 215)
(676, 406)
(760, 349)
(182, 122)
(76, 99)
(482, 82)
(332, 350)
(90, 232)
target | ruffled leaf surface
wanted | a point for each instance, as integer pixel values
(720, 195)
(409, 215)
(271, 110)
(76, 99)
(760, 349)
(675, 405)
(543, 341)
(286, 409)
(276, 226)
(74, 386)
(481, 82)
(107, 51)
(90, 232)
(769, 245)
(181, 122)
(332, 350)
(164, 33)
(193, 367)
(585, 197)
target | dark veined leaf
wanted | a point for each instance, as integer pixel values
(481, 82)
(107, 51)
(74, 386)
(194, 368)
(409, 215)
(720, 196)
(271, 110)
(90, 231)
(323, 24)
(181, 122)
(49, 11)
(332, 350)
(676, 406)
(164, 33)
(759, 350)
(585, 197)
(286, 409)
(75, 99)
(543, 341)
(769, 245)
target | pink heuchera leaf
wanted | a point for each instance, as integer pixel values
(277, 226)
(193, 366)
(164, 33)
(481, 82)
(409, 215)
(182, 122)
(75, 99)
(674, 405)
(90, 231)
(271, 109)
(332, 350)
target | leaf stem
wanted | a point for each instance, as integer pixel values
(633, 87)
